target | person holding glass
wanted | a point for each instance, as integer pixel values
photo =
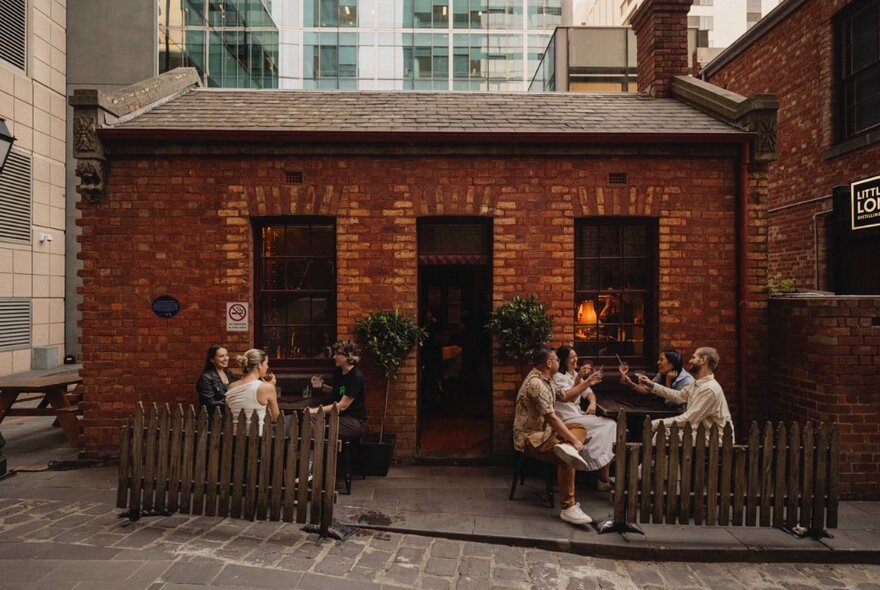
(575, 384)
(346, 390)
(255, 392)
(670, 373)
(215, 379)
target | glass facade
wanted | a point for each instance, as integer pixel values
(478, 45)
(232, 43)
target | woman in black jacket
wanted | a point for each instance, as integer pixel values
(215, 378)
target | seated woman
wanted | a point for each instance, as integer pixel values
(671, 373)
(215, 379)
(574, 384)
(255, 391)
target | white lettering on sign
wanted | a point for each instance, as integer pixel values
(865, 195)
(237, 316)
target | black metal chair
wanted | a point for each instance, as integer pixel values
(519, 474)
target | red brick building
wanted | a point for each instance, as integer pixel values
(821, 58)
(316, 208)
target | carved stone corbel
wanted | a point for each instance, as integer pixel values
(91, 173)
(761, 121)
(91, 162)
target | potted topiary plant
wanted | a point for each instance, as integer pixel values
(520, 326)
(389, 337)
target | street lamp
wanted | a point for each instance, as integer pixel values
(6, 140)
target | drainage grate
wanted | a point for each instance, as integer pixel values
(617, 178)
(293, 177)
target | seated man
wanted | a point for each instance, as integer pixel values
(537, 430)
(704, 397)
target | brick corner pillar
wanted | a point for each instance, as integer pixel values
(661, 40)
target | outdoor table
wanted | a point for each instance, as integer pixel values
(636, 406)
(54, 388)
(297, 403)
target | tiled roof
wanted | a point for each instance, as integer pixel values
(426, 112)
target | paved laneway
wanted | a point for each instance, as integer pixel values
(49, 539)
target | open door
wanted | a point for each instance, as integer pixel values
(455, 383)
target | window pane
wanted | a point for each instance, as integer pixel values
(635, 273)
(587, 275)
(319, 274)
(635, 240)
(273, 310)
(609, 273)
(588, 245)
(297, 241)
(274, 275)
(273, 341)
(299, 310)
(609, 240)
(273, 239)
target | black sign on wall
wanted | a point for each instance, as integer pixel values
(856, 240)
(865, 203)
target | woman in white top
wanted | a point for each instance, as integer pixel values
(572, 385)
(255, 391)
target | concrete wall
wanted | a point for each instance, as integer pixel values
(32, 102)
(113, 45)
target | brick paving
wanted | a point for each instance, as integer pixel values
(76, 542)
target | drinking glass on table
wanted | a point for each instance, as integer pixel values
(623, 367)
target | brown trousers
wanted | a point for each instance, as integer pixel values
(564, 473)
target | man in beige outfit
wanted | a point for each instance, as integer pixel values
(704, 397)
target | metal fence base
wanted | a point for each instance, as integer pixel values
(610, 526)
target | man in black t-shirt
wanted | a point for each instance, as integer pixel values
(347, 391)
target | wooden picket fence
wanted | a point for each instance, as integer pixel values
(787, 477)
(176, 461)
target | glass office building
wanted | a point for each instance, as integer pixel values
(232, 43)
(413, 44)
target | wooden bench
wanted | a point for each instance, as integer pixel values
(785, 477)
(182, 461)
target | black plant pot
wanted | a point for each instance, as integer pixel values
(377, 455)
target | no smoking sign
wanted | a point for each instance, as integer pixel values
(237, 316)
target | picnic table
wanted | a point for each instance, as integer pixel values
(56, 400)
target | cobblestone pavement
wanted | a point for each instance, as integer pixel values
(62, 544)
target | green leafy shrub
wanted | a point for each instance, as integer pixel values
(520, 326)
(389, 337)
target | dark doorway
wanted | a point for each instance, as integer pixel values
(455, 383)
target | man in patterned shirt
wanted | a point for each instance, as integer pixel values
(537, 430)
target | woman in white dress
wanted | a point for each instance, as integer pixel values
(573, 384)
(255, 391)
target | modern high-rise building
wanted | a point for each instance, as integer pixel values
(721, 22)
(232, 43)
(32, 204)
(479, 45)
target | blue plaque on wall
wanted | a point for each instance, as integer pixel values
(165, 306)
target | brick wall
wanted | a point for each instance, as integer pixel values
(795, 61)
(826, 353)
(182, 226)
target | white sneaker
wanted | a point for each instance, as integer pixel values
(575, 515)
(569, 455)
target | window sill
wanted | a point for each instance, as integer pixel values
(852, 144)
